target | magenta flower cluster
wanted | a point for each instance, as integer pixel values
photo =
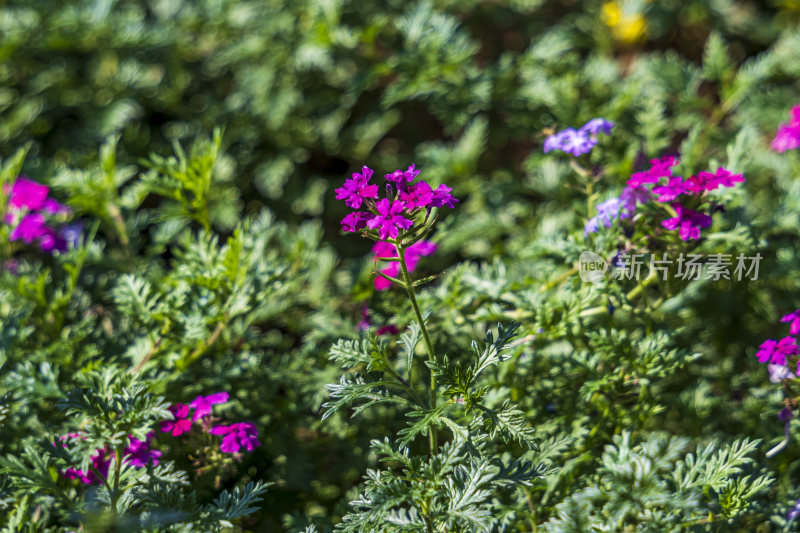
(788, 135)
(675, 190)
(776, 353)
(28, 210)
(235, 436)
(138, 453)
(580, 141)
(395, 212)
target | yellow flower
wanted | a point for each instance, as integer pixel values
(627, 26)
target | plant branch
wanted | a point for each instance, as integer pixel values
(426, 337)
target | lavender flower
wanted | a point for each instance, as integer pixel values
(71, 234)
(607, 213)
(794, 512)
(578, 142)
(778, 373)
(616, 208)
(632, 196)
(597, 125)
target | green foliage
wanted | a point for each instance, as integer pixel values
(214, 262)
(109, 411)
(649, 487)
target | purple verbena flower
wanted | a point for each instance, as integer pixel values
(725, 178)
(180, 424)
(100, 463)
(708, 181)
(28, 203)
(786, 138)
(355, 221)
(689, 222)
(357, 188)
(30, 228)
(398, 209)
(364, 324)
(675, 187)
(389, 329)
(50, 241)
(417, 195)
(389, 219)
(236, 436)
(202, 404)
(794, 322)
(27, 194)
(776, 352)
(54, 207)
(659, 168)
(138, 453)
(402, 177)
(788, 135)
(443, 198)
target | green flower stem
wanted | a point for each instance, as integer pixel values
(559, 279)
(405, 385)
(201, 349)
(390, 278)
(117, 472)
(401, 253)
(633, 294)
(120, 227)
(587, 175)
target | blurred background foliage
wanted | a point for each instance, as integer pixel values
(304, 93)
(309, 90)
